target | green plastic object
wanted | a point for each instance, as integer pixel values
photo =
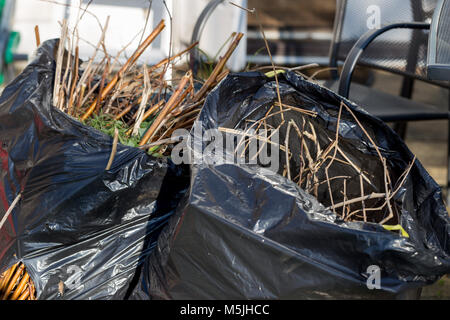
(11, 47)
(13, 43)
(2, 5)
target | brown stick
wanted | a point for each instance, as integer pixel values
(125, 67)
(307, 112)
(80, 97)
(403, 177)
(186, 123)
(102, 85)
(271, 61)
(334, 156)
(286, 143)
(181, 99)
(167, 109)
(388, 202)
(13, 281)
(5, 278)
(145, 96)
(361, 182)
(67, 78)
(114, 149)
(24, 295)
(163, 142)
(21, 286)
(167, 60)
(125, 111)
(364, 130)
(302, 160)
(268, 138)
(32, 290)
(74, 80)
(356, 200)
(59, 64)
(153, 109)
(38, 37)
(81, 86)
(187, 108)
(180, 122)
(174, 107)
(246, 9)
(10, 209)
(259, 123)
(345, 199)
(221, 76)
(218, 69)
(147, 114)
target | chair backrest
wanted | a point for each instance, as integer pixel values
(400, 51)
(439, 44)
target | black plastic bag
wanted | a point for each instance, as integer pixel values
(244, 232)
(76, 224)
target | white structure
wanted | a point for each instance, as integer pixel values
(127, 20)
(223, 21)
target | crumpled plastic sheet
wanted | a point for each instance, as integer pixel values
(82, 232)
(244, 232)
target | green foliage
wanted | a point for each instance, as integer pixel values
(206, 66)
(107, 124)
(208, 63)
(257, 52)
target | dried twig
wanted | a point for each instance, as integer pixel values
(218, 69)
(125, 67)
(10, 209)
(37, 36)
(113, 150)
(167, 109)
(59, 63)
(145, 96)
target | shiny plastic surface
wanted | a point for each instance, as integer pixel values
(244, 232)
(81, 231)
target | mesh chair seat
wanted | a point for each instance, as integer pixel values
(400, 51)
(380, 104)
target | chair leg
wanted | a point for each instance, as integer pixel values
(406, 92)
(401, 129)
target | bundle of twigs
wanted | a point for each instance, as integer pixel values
(16, 284)
(323, 167)
(135, 103)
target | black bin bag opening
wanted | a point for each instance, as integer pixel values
(246, 231)
(81, 231)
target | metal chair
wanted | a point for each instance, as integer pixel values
(390, 35)
(198, 29)
(238, 24)
(438, 60)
